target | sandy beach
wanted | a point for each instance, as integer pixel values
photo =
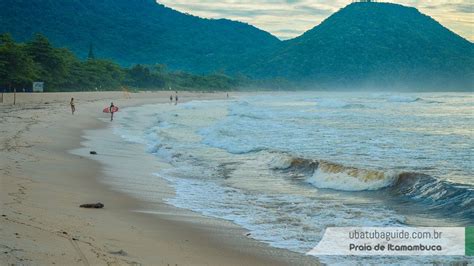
(46, 173)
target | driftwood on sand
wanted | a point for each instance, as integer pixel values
(92, 205)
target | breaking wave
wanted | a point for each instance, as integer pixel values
(323, 174)
(336, 176)
(334, 103)
(403, 99)
(436, 194)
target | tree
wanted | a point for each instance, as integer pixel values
(49, 60)
(61, 70)
(17, 68)
(142, 77)
(91, 55)
(101, 74)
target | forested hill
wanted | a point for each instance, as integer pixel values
(374, 44)
(134, 31)
(60, 70)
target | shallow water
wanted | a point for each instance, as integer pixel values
(287, 165)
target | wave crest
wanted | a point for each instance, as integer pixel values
(403, 99)
(334, 103)
(336, 176)
(436, 194)
(323, 174)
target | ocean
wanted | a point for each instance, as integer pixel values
(285, 166)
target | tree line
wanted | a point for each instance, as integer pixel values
(60, 70)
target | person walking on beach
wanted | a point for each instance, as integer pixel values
(171, 99)
(111, 109)
(176, 98)
(73, 107)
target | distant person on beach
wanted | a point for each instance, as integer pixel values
(111, 109)
(227, 95)
(73, 107)
(171, 99)
(176, 98)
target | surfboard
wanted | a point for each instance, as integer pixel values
(107, 109)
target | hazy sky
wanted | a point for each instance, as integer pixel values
(290, 18)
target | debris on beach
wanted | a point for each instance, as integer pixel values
(93, 152)
(92, 205)
(120, 252)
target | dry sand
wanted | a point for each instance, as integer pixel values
(43, 184)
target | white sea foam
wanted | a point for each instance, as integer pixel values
(285, 221)
(331, 103)
(280, 161)
(350, 179)
(337, 103)
(403, 99)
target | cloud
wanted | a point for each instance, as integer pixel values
(290, 18)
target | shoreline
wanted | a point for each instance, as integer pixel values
(43, 184)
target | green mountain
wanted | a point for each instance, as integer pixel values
(134, 31)
(372, 45)
(377, 45)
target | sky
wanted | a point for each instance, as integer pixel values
(290, 18)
